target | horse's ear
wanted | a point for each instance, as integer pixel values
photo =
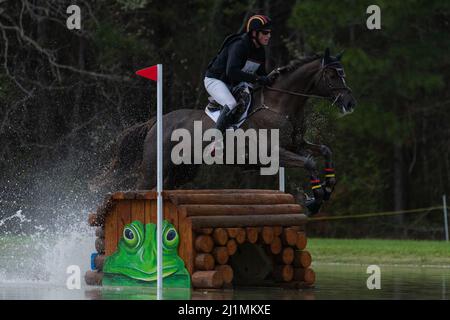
(339, 55)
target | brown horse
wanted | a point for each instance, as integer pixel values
(281, 106)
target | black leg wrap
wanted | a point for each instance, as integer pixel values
(330, 182)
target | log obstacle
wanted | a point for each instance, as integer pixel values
(212, 226)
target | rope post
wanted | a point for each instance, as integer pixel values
(444, 209)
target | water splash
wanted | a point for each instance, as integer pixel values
(18, 215)
(44, 255)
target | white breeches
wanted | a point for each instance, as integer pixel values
(220, 92)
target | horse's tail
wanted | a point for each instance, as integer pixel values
(123, 170)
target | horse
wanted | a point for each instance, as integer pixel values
(279, 106)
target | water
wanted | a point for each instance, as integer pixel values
(34, 266)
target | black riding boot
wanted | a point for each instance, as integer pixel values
(223, 120)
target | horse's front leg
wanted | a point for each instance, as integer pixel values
(329, 171)
(290, 159)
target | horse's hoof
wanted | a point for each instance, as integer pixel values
(313, 207)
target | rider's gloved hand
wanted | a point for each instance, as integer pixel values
(264, 80)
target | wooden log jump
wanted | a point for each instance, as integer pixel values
(212, 225)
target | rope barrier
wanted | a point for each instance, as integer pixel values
(375, 214)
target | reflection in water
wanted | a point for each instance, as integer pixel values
(333, 282)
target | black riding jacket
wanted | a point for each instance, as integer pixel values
(238, 61)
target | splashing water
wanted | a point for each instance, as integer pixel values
(18, 215)
(43, 255)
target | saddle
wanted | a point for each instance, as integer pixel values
(243, 96)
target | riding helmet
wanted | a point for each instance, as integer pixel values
(258, 22)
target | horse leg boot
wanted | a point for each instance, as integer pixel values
(290, 159)
(315, 203)
(329, 172)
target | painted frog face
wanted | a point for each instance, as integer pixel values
(135, 257)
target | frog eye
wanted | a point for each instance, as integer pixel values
(131, 236)
(170, 238)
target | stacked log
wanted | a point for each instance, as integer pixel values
(291, 261)
(285, 245)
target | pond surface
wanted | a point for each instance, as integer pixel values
(332, 282)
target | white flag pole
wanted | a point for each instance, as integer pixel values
(281, 178)
(159, 183)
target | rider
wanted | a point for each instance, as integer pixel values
(241, 58)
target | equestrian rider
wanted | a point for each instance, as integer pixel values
(241, 59)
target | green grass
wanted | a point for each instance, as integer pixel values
(380, 252)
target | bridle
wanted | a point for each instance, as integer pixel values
(333, 66)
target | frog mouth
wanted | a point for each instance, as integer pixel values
(147, 276)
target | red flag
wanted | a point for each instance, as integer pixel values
(149, 73)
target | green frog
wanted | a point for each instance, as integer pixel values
(134, 262)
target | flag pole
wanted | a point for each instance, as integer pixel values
(155, 73)
(159, 183)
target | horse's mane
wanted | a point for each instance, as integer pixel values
(297, 63)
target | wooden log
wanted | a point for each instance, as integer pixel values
(267, 235)
(286, 256)
(247, 221)
(283, 273)
(237, 210)
(100, 232)
(227, 273)
(302, 259)
(220, 236)
(207, 279)
(221, 191)
(204, 243)
(207, 231)
(93, 278)
(231, 247)
(221, 255)
(241, 236)
(301, 240)
(276, 246)
(99, 261)
(232, 232)
(146, 195)
(305, 274)
(277, 230)
(100, 245)
(232, 198)
(289, 237)
(252, 234)
(204, 261)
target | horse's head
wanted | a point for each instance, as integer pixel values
(330, 83)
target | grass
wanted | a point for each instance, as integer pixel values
(380, 252)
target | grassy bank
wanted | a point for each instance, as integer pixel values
(380, 252)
